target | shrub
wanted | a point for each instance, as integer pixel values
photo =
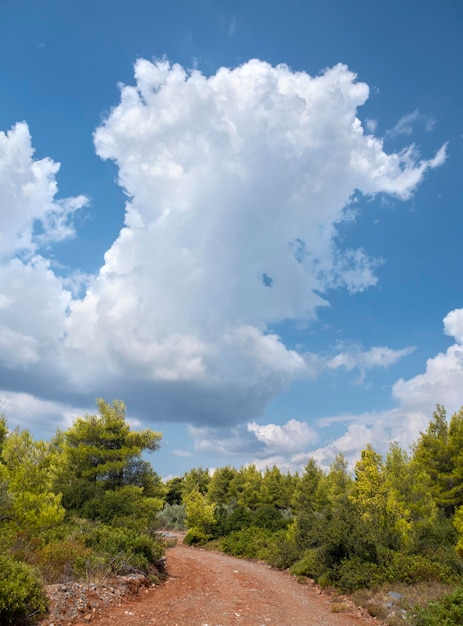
(282, 553)
(251, 542)
(355, 573)
(448, 611)
(308, 565)
(22, 596)
(232, 518)
(56, 561)
(270, 518)
(121, 550)
(126, 506)
(414, 568)
(93, 567)
(196, 536)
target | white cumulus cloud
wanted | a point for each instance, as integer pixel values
(236, 184)
(287, 438)
(29, 213)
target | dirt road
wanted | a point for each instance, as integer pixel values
(213, 589)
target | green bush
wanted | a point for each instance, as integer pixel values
(355, 573)
(22, 596)
(308, 565)
(122, 550)
(231, 518)
(126, 506)
(270, 518)
(251, 542)
(448, 611)
(281, 552)
(92, 567)
(414, 568)
(196, 536)
(392, 567)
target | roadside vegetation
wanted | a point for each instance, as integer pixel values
(81, 507)
(87, 506)
(390, 532)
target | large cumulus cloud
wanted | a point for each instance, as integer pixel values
(236, 184)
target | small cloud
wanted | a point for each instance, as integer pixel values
(363, 360)
(290, 437)
(232, 27)
(406, 124)
(182, 453)
(371, 125)
(378, 356)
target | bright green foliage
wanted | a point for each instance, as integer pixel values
(458, 523)
(200, 518)
(455, 494)
(246, 487)
(439, 453)
(377, 510)
(197, 479)
(370, 493)
(103, 449)
(100, 454)
(126, 506)
(307, 565)
(97, 464)
(22, 596)
(385, 518)
(27, 474)
(276, 488)
(433, 454)
(410, 505)
(305, 496)
(219, 489)
(334, 489)
(252, 542)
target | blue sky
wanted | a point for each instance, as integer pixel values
(253, 236)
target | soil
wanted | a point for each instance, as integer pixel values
(212, 589)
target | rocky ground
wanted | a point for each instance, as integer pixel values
(72, 603)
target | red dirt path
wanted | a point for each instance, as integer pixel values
(213, 589)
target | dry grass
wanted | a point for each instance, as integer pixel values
(339, 607)
(394, 604)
